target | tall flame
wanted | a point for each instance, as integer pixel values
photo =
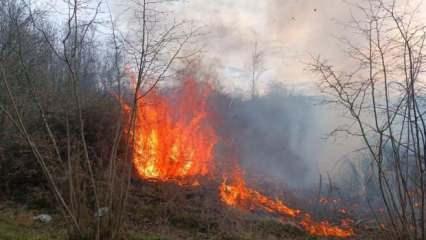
(172, 139)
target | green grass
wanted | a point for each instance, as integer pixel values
(16, 223)
(12, 231)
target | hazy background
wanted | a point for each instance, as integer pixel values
(288, 33)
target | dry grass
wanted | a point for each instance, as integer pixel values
(16, 223)
(165, 211)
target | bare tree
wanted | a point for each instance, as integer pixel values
(92, 197)
(257, 67)
(384, 94)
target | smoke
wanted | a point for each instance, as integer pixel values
(289, 32)
(282, 132)
(279, 135)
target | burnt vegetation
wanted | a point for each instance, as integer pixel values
(83, 137)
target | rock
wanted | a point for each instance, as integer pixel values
(44, 218)
(101, 212)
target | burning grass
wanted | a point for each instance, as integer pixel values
(237, 194)
(169, 211)
(186, 212)
(174, 142)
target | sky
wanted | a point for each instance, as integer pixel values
(289, 32)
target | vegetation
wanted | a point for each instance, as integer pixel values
(65, 144)
(384, 95)
(60, 107)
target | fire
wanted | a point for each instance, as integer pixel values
(237, 194)
(172, 140)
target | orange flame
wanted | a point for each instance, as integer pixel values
(172, 139)
(325, 229)
(240, 196)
